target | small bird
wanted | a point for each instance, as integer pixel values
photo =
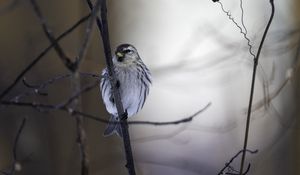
(133, 82)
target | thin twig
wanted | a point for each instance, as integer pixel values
(56, 78)
(40, 56)
(244, 33)
(37, 88)
(247, 170)
(184, 120)
(88, 33)
(15, 146)
(252, 86)
(52, 108)
(242, 16)
(227, 165)
(77, 94)
(17, 138)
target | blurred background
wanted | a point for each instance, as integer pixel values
(196, 56)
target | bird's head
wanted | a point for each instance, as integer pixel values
(125, 54)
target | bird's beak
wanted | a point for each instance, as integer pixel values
(120, 55)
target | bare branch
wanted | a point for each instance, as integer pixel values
(64, 58)
(74, 101)
(39, 89)
(88, 32)
(256, 58)
(115, 91)
(184, 120)
(99, 24)
(227, 165)
(51, 108)
(18, 137)
(252, 85)
(237, 25)
(79, 93)
(41, 55)
(15, 162)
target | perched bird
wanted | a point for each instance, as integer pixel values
(133, 82)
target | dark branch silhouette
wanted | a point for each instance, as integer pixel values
(48, 32)
(88, 33)
(51, 108)
(39, 89)
(74, 101)
(184, 120)
(40, 56)
(243, 32)
(256, 59)
(79, 93)
(228, 165)
(103, 28)
(15, 163)
(99, 24)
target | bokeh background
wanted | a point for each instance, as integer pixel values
(196, 55)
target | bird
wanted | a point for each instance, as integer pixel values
(133, 82)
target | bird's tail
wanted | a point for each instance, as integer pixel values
(113, 127)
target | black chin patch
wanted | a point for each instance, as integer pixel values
(120, 59)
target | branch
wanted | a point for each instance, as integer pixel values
(99, 24)
(37, 88)
(79, 93)
(88, 32)
(56, 78)
(115, 91)
(40, 56)
(81, 136)
(244, 33)
(252, 86)
(184, 120)
(15, 163)
(227, 165)
(64, 58)
(50, 108)
(64, 105)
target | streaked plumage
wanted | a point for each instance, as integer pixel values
(134, 80)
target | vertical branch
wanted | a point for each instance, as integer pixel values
(75, 83)
(252, 86)
(81, 140)
(80, 132)
(103, 27)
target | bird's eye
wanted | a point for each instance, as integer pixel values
(128, 51)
